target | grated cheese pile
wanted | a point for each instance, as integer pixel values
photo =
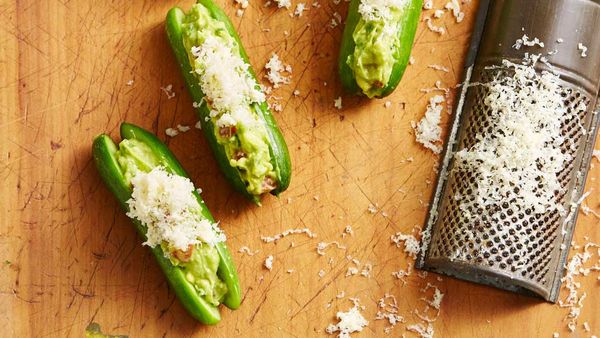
(519, 157)
(275, 68)
(349, 322)
(165, 204)
(379, 9)
(226, 81)
(412, 245)
(428, 131)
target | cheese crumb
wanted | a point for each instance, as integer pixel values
(171, 132)
(168, 90)
(349, 322)
(283, 3)
(288, 232)
(427, 4)
(182, 128)
(434, 28)
(269, 262)
(583, 49)
(165, 204)
(338, 102)
(454, 6)
(275, 69)
(247, 251)
(323, 245)
(427, 131)
(299, 9)
(412, 245)
(525, 41)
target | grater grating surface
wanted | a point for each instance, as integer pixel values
(513, 249)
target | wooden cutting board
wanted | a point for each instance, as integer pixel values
(69, 256)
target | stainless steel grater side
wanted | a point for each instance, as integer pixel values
(538, 264)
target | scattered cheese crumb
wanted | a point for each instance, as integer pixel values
(283, 3)
(168, 90)
(299, 9)
(321, 273)
(247, 251)
(525, 41)
(171, 132)
(440, 68)
(198, 125)
(323, 245)
(411, 244)
(338, 102)
(583, 49)
(454, 6)
(387, 104)
(349, 322)
(275, 69)
(269, 262)
(372, 208)
(130, 83)
(427, 131)
(296, 92)
(427, 4)
(182, 128)
(287, 233)
(434, 28)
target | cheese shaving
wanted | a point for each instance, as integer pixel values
(428, 131)
(287, 233)
(275, 68)
(349, 322)
(412, 246)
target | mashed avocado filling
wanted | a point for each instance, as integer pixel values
(201, 264)
(238, 129)
(376, 49)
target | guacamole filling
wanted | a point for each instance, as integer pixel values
(377, 42)
(232, 96)
(168, 210)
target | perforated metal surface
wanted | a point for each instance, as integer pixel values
(518, 244)
(499, 244)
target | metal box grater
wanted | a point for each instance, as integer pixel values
(536, 266)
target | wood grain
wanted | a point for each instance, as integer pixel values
(70, 256)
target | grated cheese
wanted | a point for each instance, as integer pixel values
(165, 204)
(299, 9)
(519, 158)
(337, 103)
(379, 9)
(275, 68)
(283, 3)
(269, 262)
(323, 245)
(247, 251)
(287, 233)
(349, 322)
(583, 49)
(434, 28)
(412, 245)
(525, 41)
(388, 311)
(427, 131)
(454, 6)
(168, 90)
(171, 132)
(226, 81)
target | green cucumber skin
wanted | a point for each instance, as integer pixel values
(409, 23)
(278, 148)
(103, 151)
